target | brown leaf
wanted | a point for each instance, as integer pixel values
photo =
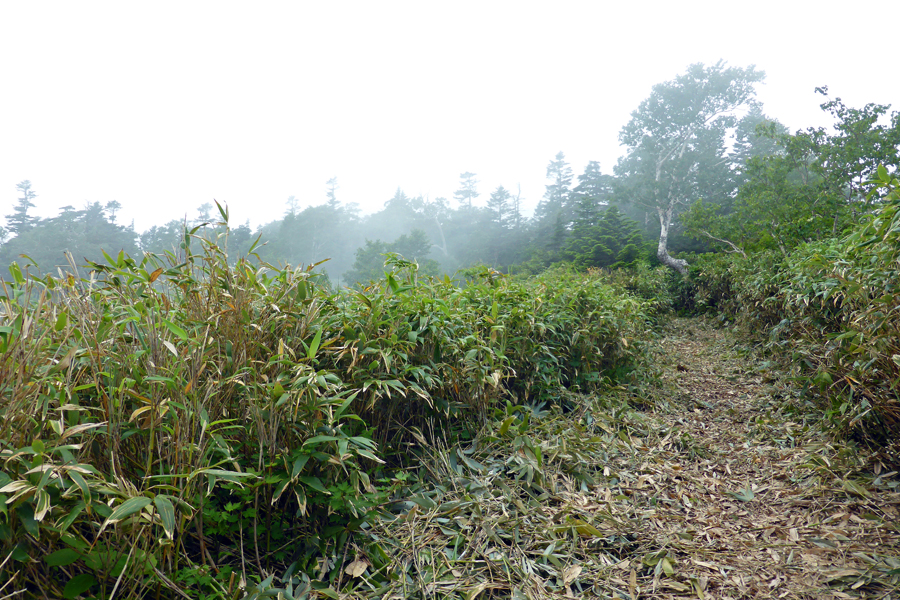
(356, 568)
(571, 574)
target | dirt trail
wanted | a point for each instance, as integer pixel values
(749, 498)
(717, 487)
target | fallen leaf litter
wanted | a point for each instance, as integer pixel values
(725, 490)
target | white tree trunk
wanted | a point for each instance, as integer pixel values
(443, 246)
(662, 252)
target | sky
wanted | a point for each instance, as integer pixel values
(164, 106)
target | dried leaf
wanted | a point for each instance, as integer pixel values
(356, 568)
(475, 591)
(571, 574)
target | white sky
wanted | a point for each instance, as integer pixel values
(166, 105)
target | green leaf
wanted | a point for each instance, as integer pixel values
(226, 475)
(855, 489)
(43, 505)
(166, 514)
(279, 490)
(178, 331)
(743, 495)
(74, 513)
(395, 287)
(472, 464)
(78, 585)
(16, 272)
(320, 438)
(363, 441)
(314, 346)
(108, 258)
(126, 509)
(667, 567)
(61, 558)
(365, 453)
(506, 424)
(19, 553)
(424, 501)
(346, 404)
(82, 485)
(315, 483)
(26, 516)
(222, 211)
(585, 529)
(299, 464)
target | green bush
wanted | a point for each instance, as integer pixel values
(186, 421)
(832, 307)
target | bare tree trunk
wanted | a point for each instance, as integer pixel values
(443, 246)
(662, 252)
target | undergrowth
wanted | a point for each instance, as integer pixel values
(189, 425)
(831, 310)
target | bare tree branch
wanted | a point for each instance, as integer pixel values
(734, 247)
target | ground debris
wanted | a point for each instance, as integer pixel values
(728, 492)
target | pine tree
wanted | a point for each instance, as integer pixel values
(614, 240)
(556, 196)
(204, 213)
(591, 194)
(498, 204)
(515, 211)
(330, 194)
(112, 207)
(20, 221)
(467, 191)
(293, 204)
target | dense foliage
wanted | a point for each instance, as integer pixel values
(189, 423)
(808, 186)
(832, 307)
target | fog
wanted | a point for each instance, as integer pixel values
(166, 107)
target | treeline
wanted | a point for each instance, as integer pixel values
(571, 223)
(705, 169)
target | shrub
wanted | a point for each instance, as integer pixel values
(188, 420)
(832, 307)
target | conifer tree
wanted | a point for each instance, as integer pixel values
(20, 221)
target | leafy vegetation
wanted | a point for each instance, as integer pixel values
(190, 423)
(831, 307)
(211, 421)
(810, 185)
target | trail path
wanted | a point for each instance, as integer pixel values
(754, 501)
(720, 486)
